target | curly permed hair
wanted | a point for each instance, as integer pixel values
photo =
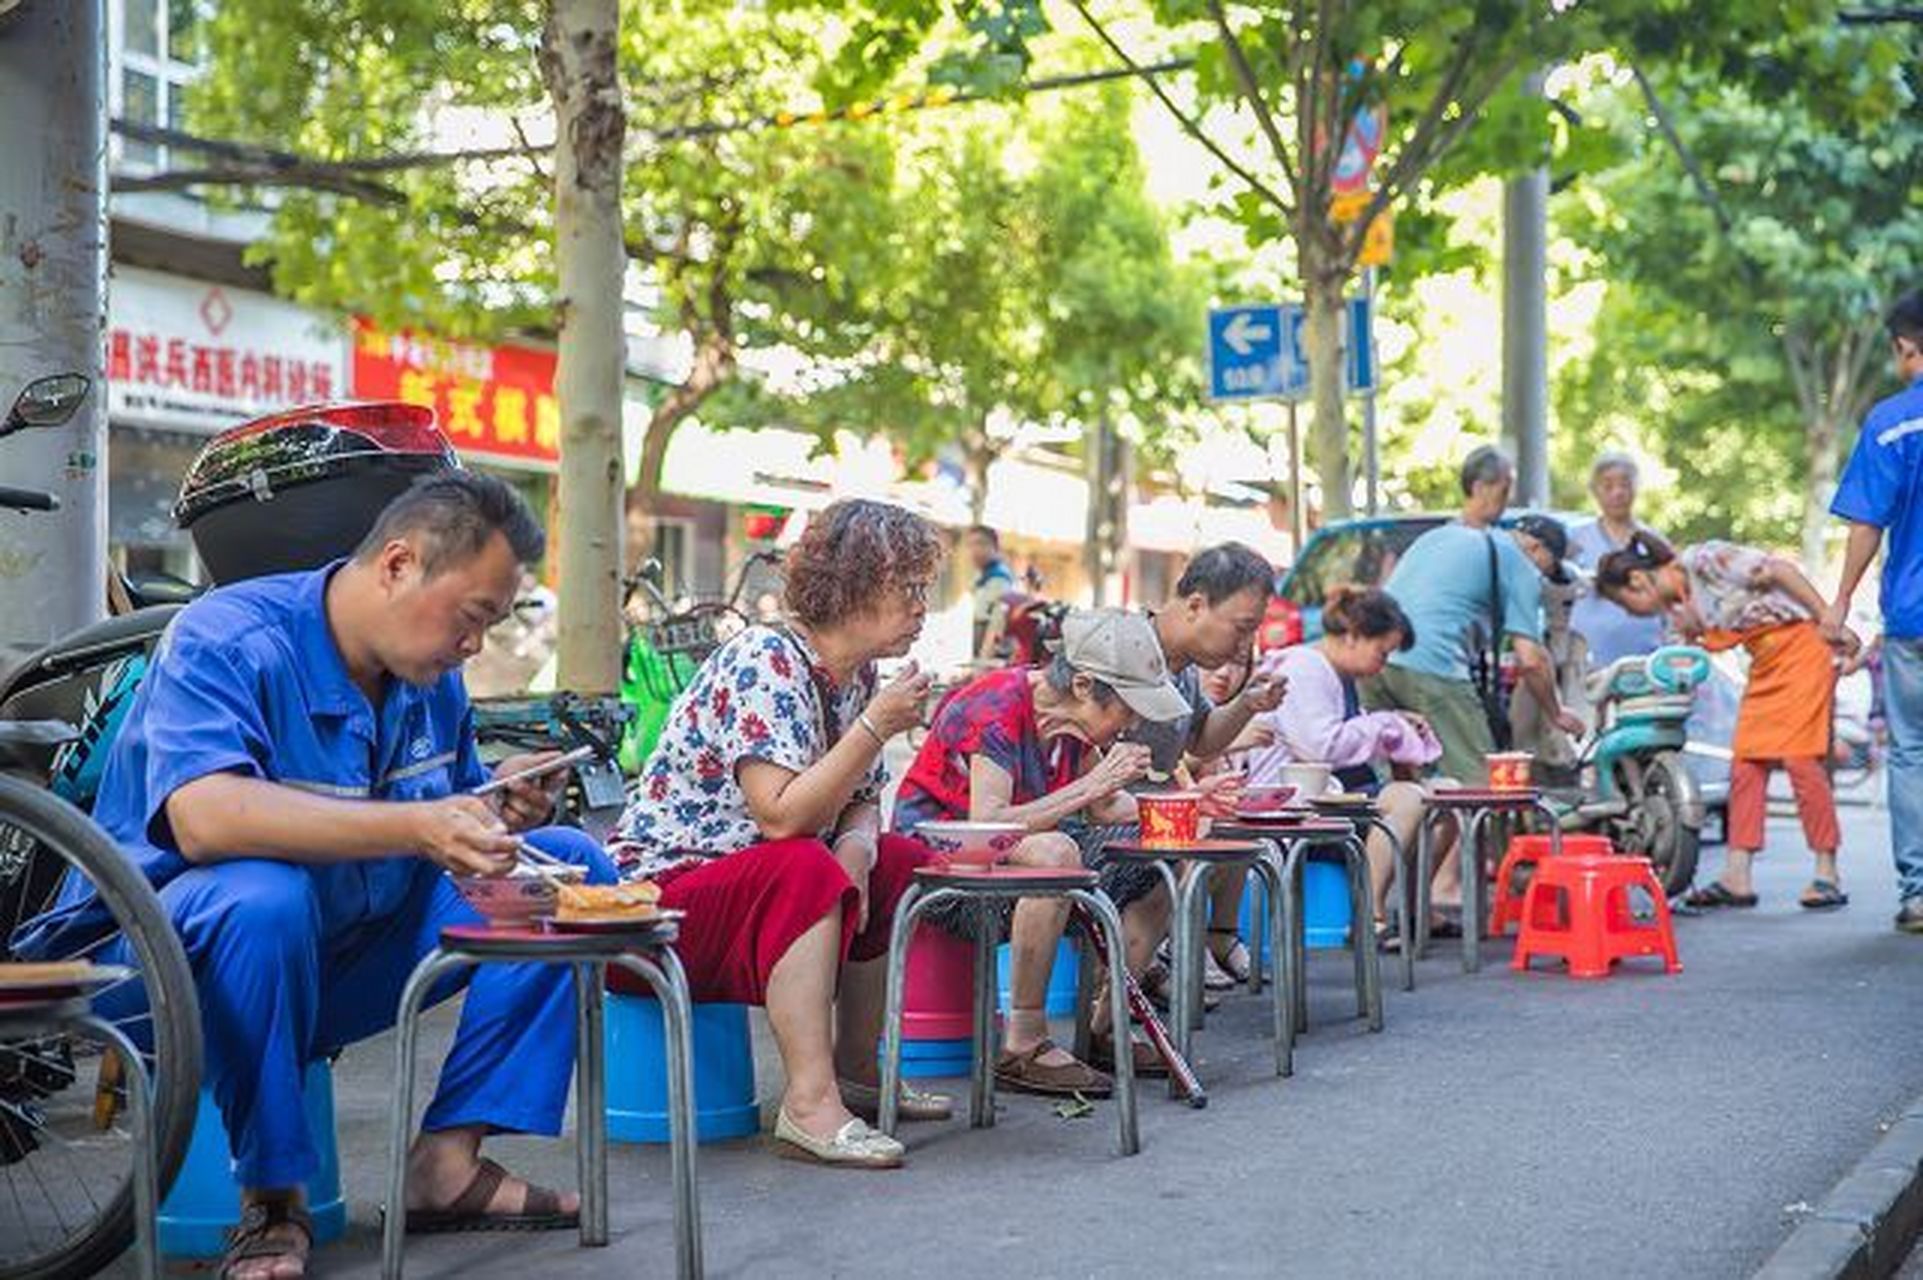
(851, 554)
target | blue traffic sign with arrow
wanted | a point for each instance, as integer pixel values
(1256, 351)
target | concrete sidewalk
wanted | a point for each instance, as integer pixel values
(1501, 1125)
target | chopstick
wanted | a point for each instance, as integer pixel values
(547, 865)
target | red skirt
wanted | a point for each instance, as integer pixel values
(747, 908)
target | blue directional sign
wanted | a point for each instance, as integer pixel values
(1358, 344)
(1256, 351)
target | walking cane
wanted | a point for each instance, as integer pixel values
(1144, 1013)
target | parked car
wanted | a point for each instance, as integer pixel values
(1364, 551)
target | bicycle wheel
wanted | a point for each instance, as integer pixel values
(66, 1153)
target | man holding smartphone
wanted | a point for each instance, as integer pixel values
(292, 779)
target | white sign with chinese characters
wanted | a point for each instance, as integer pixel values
(186, 355)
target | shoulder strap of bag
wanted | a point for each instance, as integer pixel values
(1495, 605)
(830, 721)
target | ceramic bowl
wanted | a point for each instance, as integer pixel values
(517, 900)
(971, 844)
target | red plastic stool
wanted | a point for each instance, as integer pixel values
(1527, 851)
(1578, 909)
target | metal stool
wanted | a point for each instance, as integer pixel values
(55, 1016)
(1299, 841)
(936, 884)
(1244, 852)
(1474, 807)
(1367, 818)
(643, 952)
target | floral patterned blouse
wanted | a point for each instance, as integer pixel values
(1727, 590)
(755, 698)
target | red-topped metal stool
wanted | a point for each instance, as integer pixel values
(1189, 894)
(936, 884)
(642, 950)
(1299, 840)
(1526, 851)
(1579, 909)
(1474, 808)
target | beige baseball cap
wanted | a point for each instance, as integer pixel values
(1119, 648)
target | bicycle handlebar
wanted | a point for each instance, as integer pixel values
(27, 500)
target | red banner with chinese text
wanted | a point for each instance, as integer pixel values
(495, 402)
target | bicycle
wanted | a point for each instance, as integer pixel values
(666, 645)
(65, 1160)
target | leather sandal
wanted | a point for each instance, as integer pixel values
(913, 1104)
(1233, 966)
(854, 1146)
(1101, 1054)
(541, 1211)
(248, 1240)
(1024, 1072)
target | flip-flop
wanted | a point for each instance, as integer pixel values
(1823, 895)
(540, 1212)
(1717, 894)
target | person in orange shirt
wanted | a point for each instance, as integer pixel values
(1722, 595)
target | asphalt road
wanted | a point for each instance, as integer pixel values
(1502, 1124)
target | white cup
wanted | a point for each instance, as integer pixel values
(1310, 780)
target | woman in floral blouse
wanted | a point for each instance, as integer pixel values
(1722, 595)
(757, 815)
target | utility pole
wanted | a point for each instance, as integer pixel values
(1525, 327)
(53, 304)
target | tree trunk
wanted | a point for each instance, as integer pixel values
(53, 270)
(578, 47)
(977, 457)
(1329, 430)
(1821, 435)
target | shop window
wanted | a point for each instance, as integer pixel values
(158, 56)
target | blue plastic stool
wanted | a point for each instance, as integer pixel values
(1325, 910)
(1061, 979)
(205, 1200)
(724, 1072)
(930, 1059)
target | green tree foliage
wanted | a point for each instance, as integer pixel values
(1020, 275)
(1271, 84)
(1749, 256)
(929, 270)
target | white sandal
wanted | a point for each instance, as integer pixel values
(854, 1146)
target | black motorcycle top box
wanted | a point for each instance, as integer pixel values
(297, 489)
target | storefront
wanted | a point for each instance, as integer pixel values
(187, 359)
(495, 402)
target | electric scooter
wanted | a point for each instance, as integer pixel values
(1632, 784)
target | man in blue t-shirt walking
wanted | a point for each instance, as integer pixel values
(1465, 574)
(1878, 494)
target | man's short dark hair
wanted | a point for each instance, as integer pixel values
(1906, 317)
(1486, 464)
(994, 539)
(1221, 573)
(456, 513)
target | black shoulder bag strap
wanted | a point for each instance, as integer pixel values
(830, 721)
(1490, 688)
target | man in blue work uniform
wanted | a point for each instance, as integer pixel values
(1878, 492)
(289, 778)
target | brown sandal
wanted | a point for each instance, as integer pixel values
(540, 1212)
(247, 1239)
(1101, 1054)
(1025, 1073)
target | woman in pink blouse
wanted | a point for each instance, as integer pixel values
(1322, 721)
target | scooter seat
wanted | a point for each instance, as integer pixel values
(1677, 705)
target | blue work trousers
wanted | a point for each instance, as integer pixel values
(296, 962)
